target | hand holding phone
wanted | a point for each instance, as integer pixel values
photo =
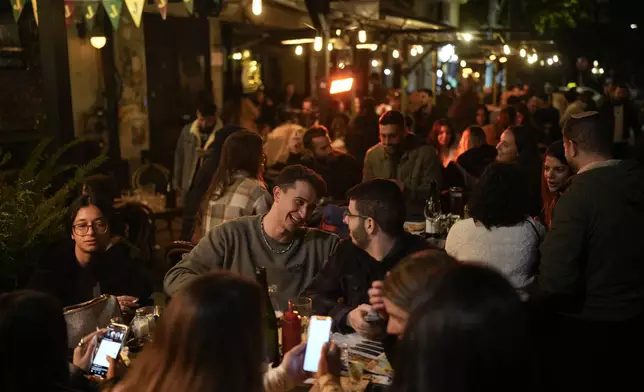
(110, 345)
(318, 334)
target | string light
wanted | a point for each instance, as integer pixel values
(299, 50)
(503, 60)
(317, 44)
(246, 53)
(338, 32)
(395, 54)
(341, 65)
(362, 36)
(463, 64)
(420, 49)
(387, 71)
(550, 61)
(595, 63)
(439, 73)
(413, 52)
(506, 50)
(467, 37)
(522, 52)
(555, 58)
(492, 57)
(374, 63)
(256, 7)
(329, 46)
(237, 56)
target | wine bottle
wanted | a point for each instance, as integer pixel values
(291, 329)
(433, 210)
(271, 343)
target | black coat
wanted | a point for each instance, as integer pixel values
(59, 273)
(349, 273)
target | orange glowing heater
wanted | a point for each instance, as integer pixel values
(341, 86)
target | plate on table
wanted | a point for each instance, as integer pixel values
(414, 227)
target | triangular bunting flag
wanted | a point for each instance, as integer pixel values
(34, 6)
(17, 6)
(91, 8)
(190, 5)
(113, 9)
(162, 5)
(69, 11)
(136, 10)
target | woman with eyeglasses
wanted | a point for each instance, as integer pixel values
(91, 263)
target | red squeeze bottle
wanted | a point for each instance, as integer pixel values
(291, 329)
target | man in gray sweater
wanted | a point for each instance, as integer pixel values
(291, 253)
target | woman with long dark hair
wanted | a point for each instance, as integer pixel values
(466, 333)
(444, 138)
(210, 340)
(237, 189)
(555, 179)
(519, 145)
(33, 343)
(92, 262)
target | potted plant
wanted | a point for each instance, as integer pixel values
(32, 212)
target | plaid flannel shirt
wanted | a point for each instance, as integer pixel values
(245, 196)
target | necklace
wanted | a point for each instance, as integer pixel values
(279, 252)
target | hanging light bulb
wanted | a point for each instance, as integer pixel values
(387, 71)
(506, 49)
(374, 63)
(439, 73)
(317, 44)
(503, 60)
(413, 52)
(256, 7)
(467, 37)
(420, 49)
(549, 61)
(463, 64)
(555, 58)
(492, 57)
(329, 46)
(338, 32)
(395, 53)
(299, 50)
(522, 52)
(362, 36)
(98, 41)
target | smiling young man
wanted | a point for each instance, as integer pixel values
(378, 242)
(291, 253)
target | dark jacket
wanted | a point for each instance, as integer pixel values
(592, 264)
(417, 165)
(59, 273)
(348, 275)
(201, 182)
(340, 172)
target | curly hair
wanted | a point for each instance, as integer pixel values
(500, 196)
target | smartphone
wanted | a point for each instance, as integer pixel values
(318, 334)
(110, 345)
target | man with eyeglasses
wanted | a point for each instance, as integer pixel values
(375, 218)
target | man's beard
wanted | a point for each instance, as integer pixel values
(360, 237)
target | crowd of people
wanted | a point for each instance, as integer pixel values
(539, 288)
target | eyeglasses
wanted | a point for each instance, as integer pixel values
(347, 214)
(99, 227)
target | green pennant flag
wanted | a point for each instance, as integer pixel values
(190, 5)
(90, 10)
(113, 9)
(17, 6)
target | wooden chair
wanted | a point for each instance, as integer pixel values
(174, 252)
(139, 228)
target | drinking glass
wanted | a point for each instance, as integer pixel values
(356, 369)
(303, 306)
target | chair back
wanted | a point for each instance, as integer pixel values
(139, 229)
(152, 173)
(174, 252)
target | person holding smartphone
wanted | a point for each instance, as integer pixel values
(33, 339)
